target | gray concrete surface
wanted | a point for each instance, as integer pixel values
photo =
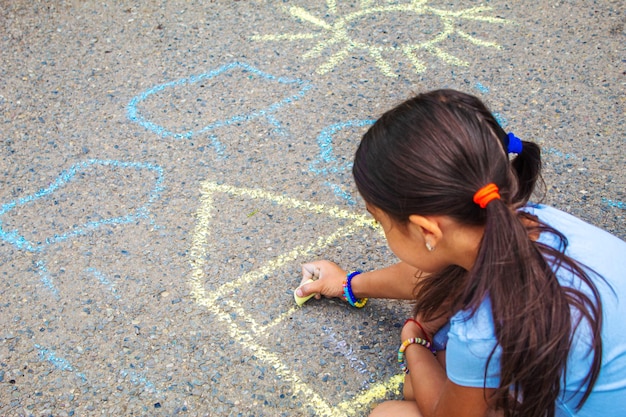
(166, 166)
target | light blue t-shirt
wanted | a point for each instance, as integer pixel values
(471, 338)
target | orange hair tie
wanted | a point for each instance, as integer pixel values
(486, 194)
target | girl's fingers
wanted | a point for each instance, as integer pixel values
(325, 277)
(301, 295)
(306, 289)
(310, 272)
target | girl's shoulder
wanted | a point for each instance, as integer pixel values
(602, 253)
(567, 223)
(589, 245)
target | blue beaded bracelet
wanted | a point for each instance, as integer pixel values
(349, 295)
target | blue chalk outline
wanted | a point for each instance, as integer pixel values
(134, 115)
(58, 362)
(46, 279)
(104, 281)
(63, 364)
(557, 152)
(327, 153)
(482, 88)
(502, 121)
(136, 378)
(327, 156)
(340, 192)
(614, 203)
(19, 241)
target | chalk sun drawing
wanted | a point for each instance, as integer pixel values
(215, 301)
(135, 113)
(341, 34)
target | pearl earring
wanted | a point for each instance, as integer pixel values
(429, 247)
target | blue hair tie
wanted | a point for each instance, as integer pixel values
(515, 144)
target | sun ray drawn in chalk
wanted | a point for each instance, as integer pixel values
(339, 34)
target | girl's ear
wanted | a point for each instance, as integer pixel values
(428, 227)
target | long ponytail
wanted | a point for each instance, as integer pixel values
(429, 156)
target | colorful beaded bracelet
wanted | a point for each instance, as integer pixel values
(406, 344)
(348, 295)
(432, 349)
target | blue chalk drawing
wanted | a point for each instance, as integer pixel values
(340, 192)
(46, 279)
(483, 89)
(63, 364)
(339, 346)
(13, 237)
(327, 157)
(267, 113)
(500, 119)
(104, 281)
(137, 379)
(612, 203)
(72, 174)
(327, 162)
(560, 154)
(20, 239)
(217, 146)
(278, 127)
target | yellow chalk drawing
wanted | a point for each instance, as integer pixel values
(202, 246)
(338, 33)
(375, 393)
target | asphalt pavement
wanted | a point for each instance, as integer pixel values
(166, 166)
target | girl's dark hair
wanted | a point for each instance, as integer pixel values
(428, 156)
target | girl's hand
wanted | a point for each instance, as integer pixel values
(327, 278)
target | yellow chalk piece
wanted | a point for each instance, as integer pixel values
(302, 300)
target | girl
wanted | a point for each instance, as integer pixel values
(529, 300)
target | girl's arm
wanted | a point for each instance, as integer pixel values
(396, 282)
(433, 392)
(435, 395)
